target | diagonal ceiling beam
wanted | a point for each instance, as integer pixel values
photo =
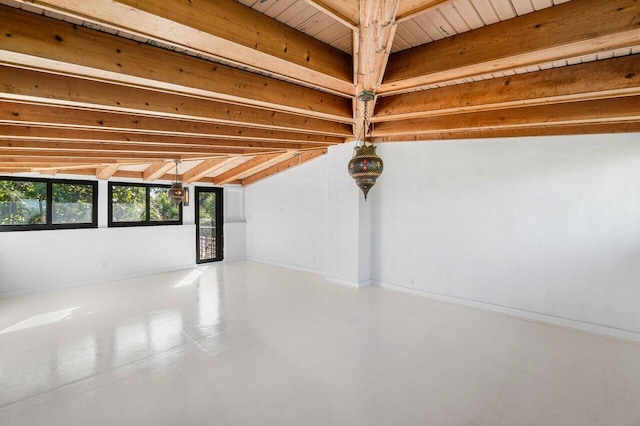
(223, 29)
(568, 30)
(411, 8)
(292, 162)
(42, 43)
(203, 169)
(344, 11)
(251, 166)
(593, 80)
(156, 170)
(107, 172)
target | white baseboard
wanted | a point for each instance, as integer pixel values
(106, 279)
(352, 284)
(235, 259)
(601, 330)
(286, 265)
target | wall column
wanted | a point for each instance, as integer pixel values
(349, 220)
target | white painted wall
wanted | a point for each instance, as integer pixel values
(287, 217)
(42, 260)
(549, 225)
(545, 227)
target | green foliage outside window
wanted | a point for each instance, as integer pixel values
(35, 204)
(23, 203)
(207, 203)
(72, 203)
(129, 203)
(161, 206)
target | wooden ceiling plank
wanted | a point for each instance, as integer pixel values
(42, 88)
(292, 162)
(568, 30)
(593, 80)
(155, 170)
(201, 170)
(106, 172)
(59, 117)
(251, 166)
(38, 42)
(223, 29)
(584, 112)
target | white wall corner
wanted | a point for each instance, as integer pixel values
(352, 284)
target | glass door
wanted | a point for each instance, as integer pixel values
(209, 224)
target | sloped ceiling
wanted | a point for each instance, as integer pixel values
(241, 90)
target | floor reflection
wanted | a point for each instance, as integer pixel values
(130, 340)
(41, 319)
(77, 359)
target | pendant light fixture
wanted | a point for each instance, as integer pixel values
(176, 192)
(365, 166)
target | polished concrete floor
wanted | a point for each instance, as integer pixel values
(252, 344)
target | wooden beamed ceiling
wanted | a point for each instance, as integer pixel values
(241, 90)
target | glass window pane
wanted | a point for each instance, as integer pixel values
(129, 203)
(72, 203)
(161, 206)
(23, 203)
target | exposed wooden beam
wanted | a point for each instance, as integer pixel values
(377, 29)
(37, 42)
(90, 157)
(411, 8)
(36, 87)
(223, 29)
(61, 117)
(107, 172)
(593, 80)
(155, 170)
(292, 162)
(570, 129)
(47, 147)
(251, 166)
(343, 11)
(568, 30)
(594, 111)
(136, 141)
(207, 166)
(35, 162)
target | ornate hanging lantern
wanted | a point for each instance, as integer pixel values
(365, 166)
(176, 192)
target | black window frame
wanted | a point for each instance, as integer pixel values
(148, 221)
(49, 203)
